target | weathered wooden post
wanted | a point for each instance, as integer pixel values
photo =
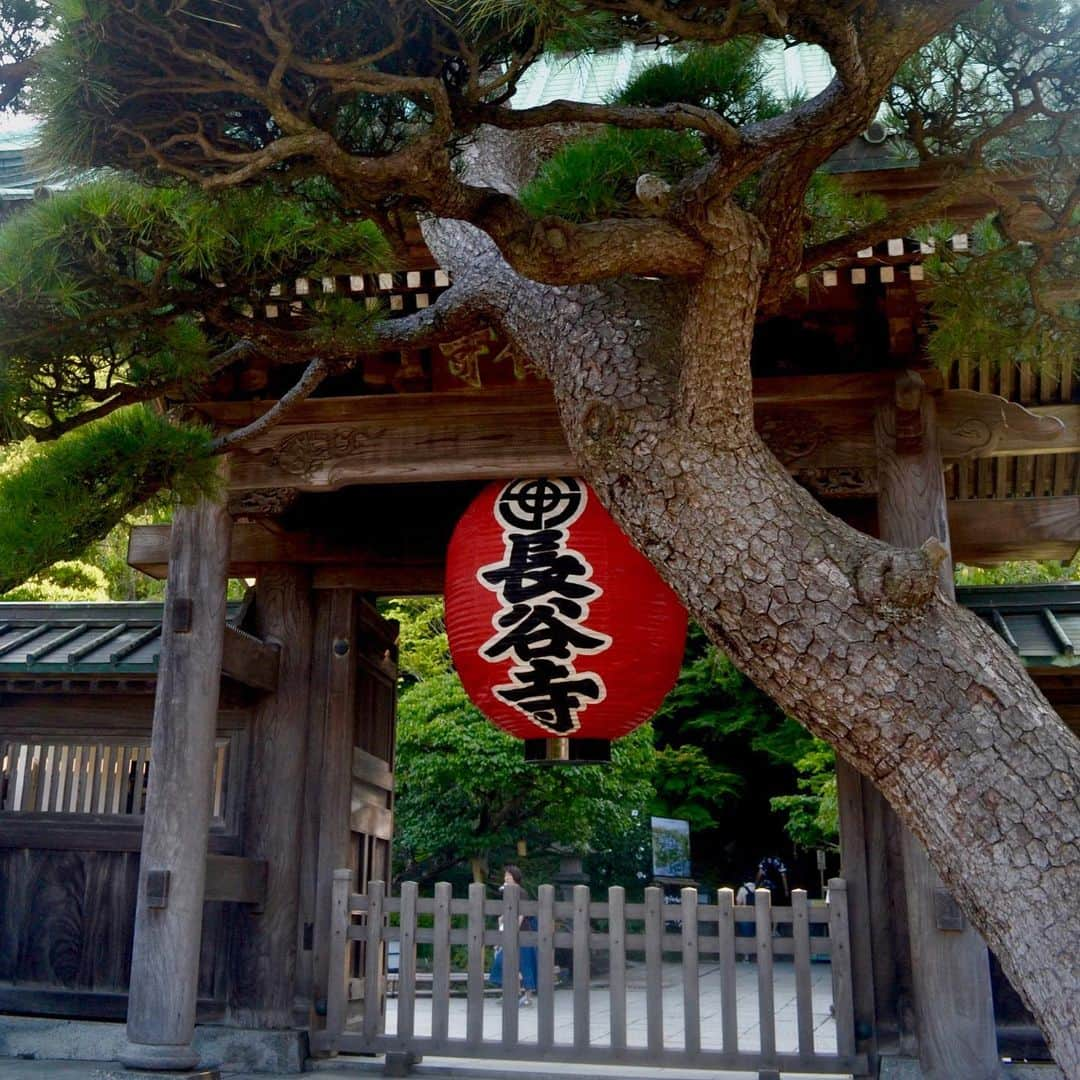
(172, 871)
(331, 719)
(264, 960)
(949, 963)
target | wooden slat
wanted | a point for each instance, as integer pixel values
(373, 961)
(7, 772)
(1062, 465)
(984, 469)
(337, 986)
(371, 770)
(406, 1013)
(110, 795)
(63, 779)
(511, 959)
(804, 1005)
(45, 763)
(374, 821)
(97, 754)
(729, 1027)
(474, 1016)
(766, 1011)
(218, 805)
(545, 966)
(138, 783)
(1004, 468)
(440, 967)
(617, 964)
(582, 966)
(24, 780)
(654, 960)
(841, 966)
(1027, 384)
(691, 985)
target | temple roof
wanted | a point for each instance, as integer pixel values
(84, 639)
(1041, 623)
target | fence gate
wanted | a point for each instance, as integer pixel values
(444, 944)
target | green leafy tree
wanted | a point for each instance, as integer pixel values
(727, 756)
(465, 793)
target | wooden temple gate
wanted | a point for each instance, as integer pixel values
(354, 496)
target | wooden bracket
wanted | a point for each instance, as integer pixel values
(157, 888)
(947, 913)
(910, 390)
(971, 425)
(241, 880)
(182, 610)
(250, 661)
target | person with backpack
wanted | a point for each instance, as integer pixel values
(744, 929)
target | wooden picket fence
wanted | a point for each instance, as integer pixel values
(363, 925)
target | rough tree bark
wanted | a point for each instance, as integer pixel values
(850, 636)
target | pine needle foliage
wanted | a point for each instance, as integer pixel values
(115, 284)
(73, 491)
(998, 300)
(728, 78)
(596, 177)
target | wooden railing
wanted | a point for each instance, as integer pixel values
(78, 775)
(700, 935)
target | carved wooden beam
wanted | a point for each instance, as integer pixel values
(977, 425)
(823, 423)
(984, 531)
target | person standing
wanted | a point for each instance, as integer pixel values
(527, 953)
(772, 875)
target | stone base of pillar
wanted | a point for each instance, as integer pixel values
(896, 1067)
(232, 1049)
(159, 1058)
(159, 1074)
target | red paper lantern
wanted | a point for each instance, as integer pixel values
(558, 627)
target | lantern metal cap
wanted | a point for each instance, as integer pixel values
(563, 751)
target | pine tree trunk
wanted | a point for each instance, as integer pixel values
(848, 635)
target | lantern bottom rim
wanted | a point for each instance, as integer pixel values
(564, 751)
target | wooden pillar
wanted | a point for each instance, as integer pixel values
(328, 789)
(872, 864)
(263, 964)
(950, 967)
(172, 870)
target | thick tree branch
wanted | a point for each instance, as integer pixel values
(968, 183)
(300, 391)
(676, 116)
(14, 76)
(131, 394)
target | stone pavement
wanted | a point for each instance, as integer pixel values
(746, 1004)
(355, 1068)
